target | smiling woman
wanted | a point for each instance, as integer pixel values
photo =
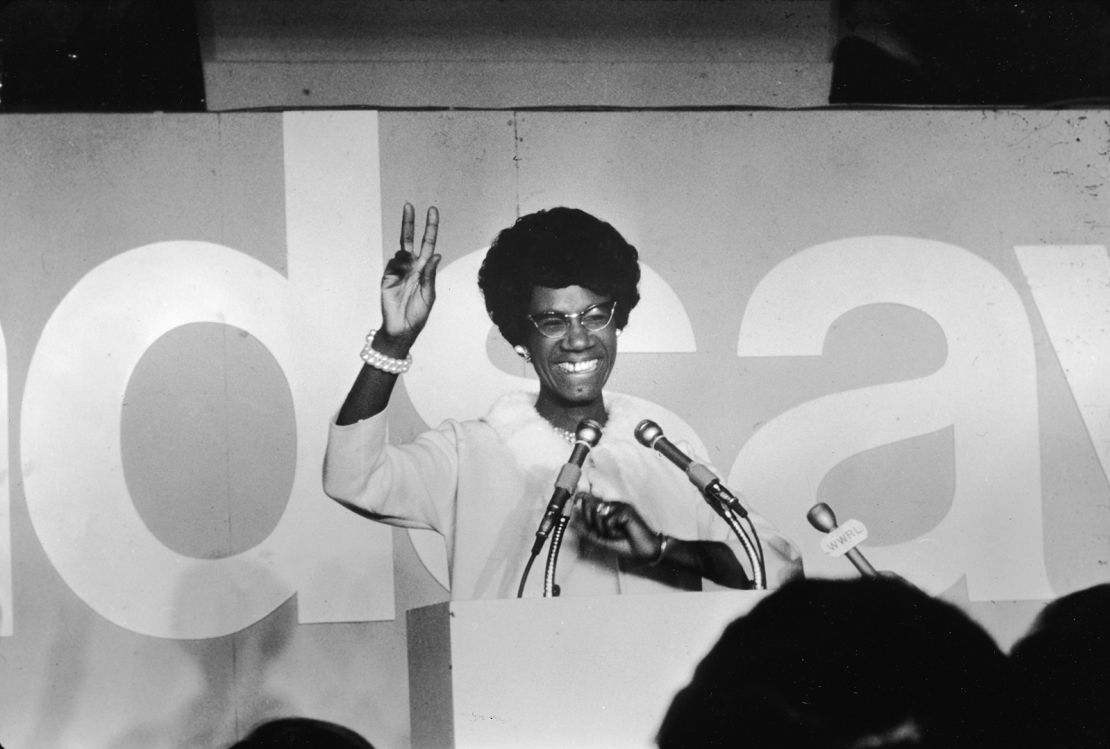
(574, 278)
(573, 353)
(560, 286)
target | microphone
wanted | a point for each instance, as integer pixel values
(650, 435)
(821, 517)
(586, 436)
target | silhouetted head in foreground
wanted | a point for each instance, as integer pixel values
(1063, 667)
(846, 664)
(302, 733)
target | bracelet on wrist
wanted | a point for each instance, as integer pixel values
(378, 360)
(664, 542)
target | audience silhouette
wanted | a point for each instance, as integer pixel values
(301, 733)
(1063, 670)
(847, 664)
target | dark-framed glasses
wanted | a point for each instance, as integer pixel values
(556, 324)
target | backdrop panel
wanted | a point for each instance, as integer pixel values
(902, 314)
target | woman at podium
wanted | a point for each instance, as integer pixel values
(560, 285)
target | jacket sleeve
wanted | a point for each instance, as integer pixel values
(411, 486)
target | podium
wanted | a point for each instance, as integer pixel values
(557, 672)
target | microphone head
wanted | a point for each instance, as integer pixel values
(821, 517)
(589, 432)
(647, 431)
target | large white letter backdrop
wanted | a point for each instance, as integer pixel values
(5, 500)
(986, 390)
(311, 322)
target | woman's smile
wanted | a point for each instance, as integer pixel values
(574, 367)
(579, 367)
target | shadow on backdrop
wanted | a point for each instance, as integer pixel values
(233, 691)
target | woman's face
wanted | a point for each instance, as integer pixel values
(573, 368)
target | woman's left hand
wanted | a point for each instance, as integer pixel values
(616, 526)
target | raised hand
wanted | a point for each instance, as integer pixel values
(408, 293)
(408, 284)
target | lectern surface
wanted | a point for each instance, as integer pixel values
(557, 672)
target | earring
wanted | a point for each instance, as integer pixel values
(523, 353)
(619, 331)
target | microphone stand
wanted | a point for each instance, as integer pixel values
(586, 436)
(753, 549)
(550, 589)
(722, 501)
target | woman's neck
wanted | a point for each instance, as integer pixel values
(568, 416)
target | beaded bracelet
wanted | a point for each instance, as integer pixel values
(378, 360)
(664, 542)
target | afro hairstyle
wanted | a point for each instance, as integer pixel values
(556, 248)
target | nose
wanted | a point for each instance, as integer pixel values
(576, 337)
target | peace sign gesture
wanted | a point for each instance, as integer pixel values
(408, 292)
(408, 284)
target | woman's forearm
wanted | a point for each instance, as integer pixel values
(372, 388)
(712, 560)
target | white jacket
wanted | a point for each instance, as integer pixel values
(484, 485)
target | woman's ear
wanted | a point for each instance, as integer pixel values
(523, 353)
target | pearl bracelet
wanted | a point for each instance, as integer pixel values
(664, 542)
(378, 360)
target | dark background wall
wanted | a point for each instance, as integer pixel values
(175, 55)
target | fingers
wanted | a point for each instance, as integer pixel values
(425, 262)
(408, 231)
(408, 219)
(397, 268)
(431, 230)
(604, 519)
(428, 278)
(586, 505)
(616, 526)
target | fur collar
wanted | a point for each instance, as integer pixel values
(534, 443)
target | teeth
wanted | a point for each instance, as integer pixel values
(577, 367)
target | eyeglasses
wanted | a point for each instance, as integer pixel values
(556, 324)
